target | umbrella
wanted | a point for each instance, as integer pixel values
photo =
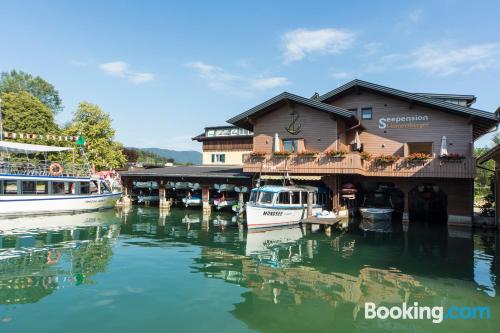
(276, 142)
(444, 149)
(357, 141)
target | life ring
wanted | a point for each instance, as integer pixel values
(56, 169)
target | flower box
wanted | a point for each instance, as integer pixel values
(336, 153)
(386, 159)
(258, 154)
(306, 153)
(282, 153)
(365, 156)
(452, 158)
(418, 157)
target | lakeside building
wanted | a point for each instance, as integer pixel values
(367, 135)
(494, 154)
(225, 145)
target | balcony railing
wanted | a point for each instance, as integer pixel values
(353, 164)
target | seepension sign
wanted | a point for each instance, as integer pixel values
(414, 121)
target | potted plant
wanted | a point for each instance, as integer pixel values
(386, 159)
(283, 153)
(452, 158)
(336, 153)
(418, 157)
(366, 156)
(307, 153)
(258, 154)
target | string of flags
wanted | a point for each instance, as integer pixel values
(74, 138)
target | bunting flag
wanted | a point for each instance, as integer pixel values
(12, 135)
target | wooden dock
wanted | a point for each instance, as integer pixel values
(325, 224)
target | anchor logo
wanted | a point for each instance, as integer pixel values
(294, 127)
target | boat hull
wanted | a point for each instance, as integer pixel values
(49, 204)
(265, 217)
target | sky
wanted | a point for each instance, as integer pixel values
(165, 70)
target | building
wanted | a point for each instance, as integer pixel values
(368, 135)
(494, 154)
(225, 145)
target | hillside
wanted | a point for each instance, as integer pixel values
(180, 156)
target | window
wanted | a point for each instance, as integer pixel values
(284, 198)
(419, 148)
(10, 187)
(105, 188)
(28, 187)
(42, 187)
(295, 198)
(84, 188)
(291, 145)
(304, 197)
(63, 188)
(253, 196)
(93, 187)
(266, 197)
(366, 113)
(219, 158)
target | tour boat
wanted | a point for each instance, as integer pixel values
(40, 188)
(281, 205)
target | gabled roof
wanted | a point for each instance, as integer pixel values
(489, 155)
(470, 99)
(483, 121)
(242, 120)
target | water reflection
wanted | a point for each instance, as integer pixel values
(285, 276)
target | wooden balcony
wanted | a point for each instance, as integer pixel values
(352, 164)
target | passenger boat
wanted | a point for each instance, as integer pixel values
(281, 205)
(43, 188)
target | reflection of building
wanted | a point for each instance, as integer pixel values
(225, 144)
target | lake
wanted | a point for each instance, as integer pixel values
(139, 271)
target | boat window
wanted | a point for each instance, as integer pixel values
(28, 187)
(10, 187)
(63, 188)
(295, 198)
(84, 188)
(304, 197)
(266, 197)
(105, 188)
(253, 196)
(93, 187)
(42, 187)
(284, 198)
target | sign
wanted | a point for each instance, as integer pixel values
(294, 127)
(415, 121)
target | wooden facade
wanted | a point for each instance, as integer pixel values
(228, 144)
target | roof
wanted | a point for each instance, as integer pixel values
(16, 147)
(203, 137)
(489, 155)
(241, 120)
(483, 120)
(191, 171)
(469, 98)
(277, 188)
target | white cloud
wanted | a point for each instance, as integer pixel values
(415, 15)
(269, 83)
(340, 75)
(445, 59)
(139, 78)
(219, 79)
(121, 69)
(115, 68)
(301, 42)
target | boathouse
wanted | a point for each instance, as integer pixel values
(367, 138)
(494, 154)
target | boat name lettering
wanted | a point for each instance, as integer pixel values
(271, 213)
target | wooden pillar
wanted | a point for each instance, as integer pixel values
(309, 203)
(241, 203)
(164, 204)
(125, 200)
(205, 198)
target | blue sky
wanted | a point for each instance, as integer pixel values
(166, 70)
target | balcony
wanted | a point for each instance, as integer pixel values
(353, 164)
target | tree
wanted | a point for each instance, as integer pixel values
(24, 113)
(18, 81)
(94, 125)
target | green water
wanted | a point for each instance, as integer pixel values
(142, 272)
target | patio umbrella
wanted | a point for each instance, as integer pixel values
(276, 142)
(444, 145)
(357, 141)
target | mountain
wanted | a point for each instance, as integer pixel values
(180, 156)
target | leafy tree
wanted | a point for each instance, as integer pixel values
(94, 125)
(24, 113)
(18, 81)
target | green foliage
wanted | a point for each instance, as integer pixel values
(19, 81)
(95, 125)
(24, 113)
(135, 155)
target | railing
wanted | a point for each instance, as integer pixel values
(352, 164)
(43, 169)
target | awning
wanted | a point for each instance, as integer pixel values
(295, 177)
(15, 147)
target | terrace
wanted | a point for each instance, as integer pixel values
(354, 163)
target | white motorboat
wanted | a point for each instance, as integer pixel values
(376, 212)
(281, 205)
(224, 202)
(45, 188)
(192, 201)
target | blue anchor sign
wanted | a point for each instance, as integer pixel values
(294, 127)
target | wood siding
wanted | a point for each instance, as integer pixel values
(318, 129)
(457, 129)
(228, 145)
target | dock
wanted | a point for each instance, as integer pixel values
(325, 224)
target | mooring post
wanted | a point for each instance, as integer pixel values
(205, 197)
(310, 204)
(125, 200)
(241, 203)
(164, 204)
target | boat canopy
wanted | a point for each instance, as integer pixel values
(278, 189)
(15, 147)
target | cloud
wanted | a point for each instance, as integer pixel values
(121, 69)
(269, 83)
(302, 42)
(444, 59)
(340, 75)
(219, 79)
(415, 15)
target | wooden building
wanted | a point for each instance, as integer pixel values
(367, 134)
(494, 154)
(225, 145)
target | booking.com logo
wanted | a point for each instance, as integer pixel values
(435, 313)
